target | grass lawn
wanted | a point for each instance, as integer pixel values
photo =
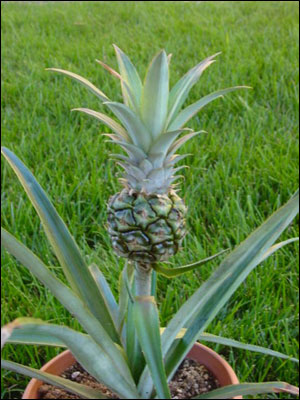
(240, 172)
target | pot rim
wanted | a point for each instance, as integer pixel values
(66, 359)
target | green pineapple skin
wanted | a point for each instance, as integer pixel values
(146, 228)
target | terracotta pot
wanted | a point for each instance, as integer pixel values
(204, 355)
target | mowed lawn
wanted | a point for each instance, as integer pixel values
(242, 170)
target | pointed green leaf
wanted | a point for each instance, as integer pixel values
(18, 336)
(276, 247)
(163, 143)
(172, 272)
(86, 351)
(136, 358)
(249, 389)
(180, 91)
(121, 157)
(114, 138)
(83, 391)
(171, 160)
(134, 353)
(125, 276)
(109, 69)
(129, 75)
(83, 81)
(145, 316)
(106, 293)
(153, 283)
(67, 298)
(208, 337)
(134, 126)
(117, 128)
(130, 98)
(133, 151)
(63, 244)
(185, 115)
(155, 95)
(180, 142)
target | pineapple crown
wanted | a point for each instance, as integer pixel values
(152, 119)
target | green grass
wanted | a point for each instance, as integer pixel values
(240, 172)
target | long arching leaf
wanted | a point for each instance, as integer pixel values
(86, 351)
(83, 391)
(249, 389)
(185, 115)
(180, 142)
(64, 246)
(83, 81)
(117, 128)
(209, 337)
(67, 298)
(44, 339)
(277, 246)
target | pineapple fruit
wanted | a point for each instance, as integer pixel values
(146, 220)
(146, 227)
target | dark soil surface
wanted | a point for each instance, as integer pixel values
(190, 380)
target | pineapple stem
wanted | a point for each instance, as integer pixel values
(143, 279)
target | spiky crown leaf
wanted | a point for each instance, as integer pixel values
(152, 118)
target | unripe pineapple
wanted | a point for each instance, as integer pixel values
(146, 220)
(146, 228)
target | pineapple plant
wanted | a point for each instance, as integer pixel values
(123, 345)
(146, 220)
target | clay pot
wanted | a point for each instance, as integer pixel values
(204, 355)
